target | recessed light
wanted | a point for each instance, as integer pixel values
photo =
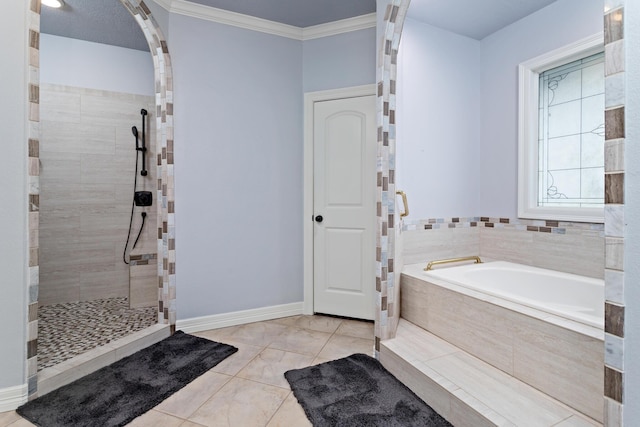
(53, 3)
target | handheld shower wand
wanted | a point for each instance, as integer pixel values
(134, 130)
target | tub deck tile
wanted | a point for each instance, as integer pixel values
(466, 390)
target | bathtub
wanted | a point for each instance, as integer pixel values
(543, 327)
(570, 296)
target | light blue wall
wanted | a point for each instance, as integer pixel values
(13, 207)
(78, 63)
(343, 60)
(488, 135)
(238, 152)
(438, 120)
(561, 23)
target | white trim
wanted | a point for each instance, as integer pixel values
(338, 27)
(221, 16)
(12, 397)
(307, 217)
(234, 19)
(215, 321)
(528, 73)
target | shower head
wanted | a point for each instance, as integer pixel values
(134, 130)
(143, 112)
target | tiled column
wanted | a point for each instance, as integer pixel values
(34, 194)
(614, 210)
(164, 149)
(387, 310)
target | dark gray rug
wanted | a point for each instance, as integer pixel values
(124, 390)
(358, 391)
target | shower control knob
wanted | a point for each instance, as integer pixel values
(319, 218)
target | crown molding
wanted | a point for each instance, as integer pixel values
(221, 16)
(338, 27)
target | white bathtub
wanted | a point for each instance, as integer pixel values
(570, 296)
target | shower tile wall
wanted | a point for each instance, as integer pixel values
(87, 161)
(571, 247)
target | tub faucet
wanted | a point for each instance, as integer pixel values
(447, 261)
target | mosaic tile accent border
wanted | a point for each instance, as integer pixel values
(142, 259)
(540, 226)
(166, 311)
(614, 18)
(386, 71)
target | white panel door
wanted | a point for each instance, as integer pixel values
(344, 207)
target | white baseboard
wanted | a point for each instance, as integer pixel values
(216, 321)
(12, 397)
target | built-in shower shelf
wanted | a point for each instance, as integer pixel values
(464, 389)
(70, 370)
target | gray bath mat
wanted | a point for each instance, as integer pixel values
(358, 391)
(126, 389)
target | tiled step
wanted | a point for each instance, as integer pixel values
(467, 391)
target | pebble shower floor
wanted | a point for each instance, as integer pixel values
(69, 329)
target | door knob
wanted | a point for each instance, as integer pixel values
(319, 218)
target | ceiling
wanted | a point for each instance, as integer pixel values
(473, 18)
(109, 22)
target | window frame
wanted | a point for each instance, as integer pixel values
(528, 93)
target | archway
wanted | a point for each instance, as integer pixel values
(165, 193)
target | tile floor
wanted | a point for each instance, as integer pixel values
(249, 389)
(94, 323)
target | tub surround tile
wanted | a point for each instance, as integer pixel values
(519, 345)
(570, 368)
(613, 352)
(614, 59)
(614, 253)
(427, 384)
(614, 26)
(466, 325)
(614, 286)
(612, 412)
(614, 319)
(467, 391)
(614, 220)
(614, 188)
(614, 91)
(614, 123)
(613, 384)
(614, 155)
(526, 407)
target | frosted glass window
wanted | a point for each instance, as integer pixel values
(571, 134)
